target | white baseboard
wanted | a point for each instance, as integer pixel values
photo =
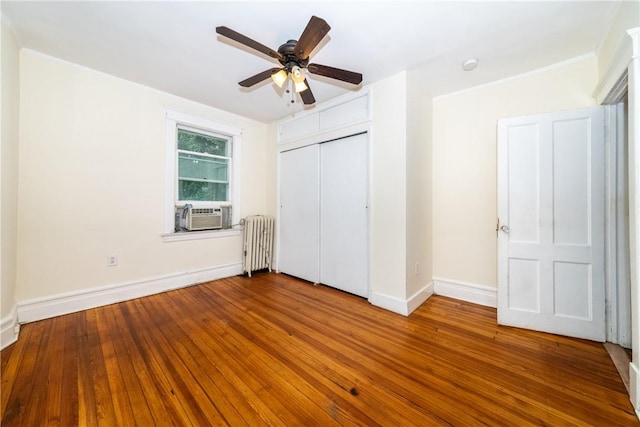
(9, 329)
(470, 292)
(419, 297)
(634, 390)
(70, 302)
(400, 306)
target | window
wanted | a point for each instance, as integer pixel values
(202, 165)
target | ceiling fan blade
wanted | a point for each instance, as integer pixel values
(242, 39)
(315, 31)
(307, 95)
(258, 77)
(335, 73)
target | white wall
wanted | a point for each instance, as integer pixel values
(271, 160)
(464, 161)
(419, 186)
(628, 16)
(9, 180)
(92, 173)
(389, 187)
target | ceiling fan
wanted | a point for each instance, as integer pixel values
(294, 58)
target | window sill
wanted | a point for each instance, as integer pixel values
(197, 235)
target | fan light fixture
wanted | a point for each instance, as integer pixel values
(297, 76)
(300, 87)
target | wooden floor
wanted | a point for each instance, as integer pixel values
(272, 350)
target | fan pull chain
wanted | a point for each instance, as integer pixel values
(290, 90)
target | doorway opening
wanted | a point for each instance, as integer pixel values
(618, 281)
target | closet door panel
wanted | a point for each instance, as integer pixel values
(343, 214)
(299, 213)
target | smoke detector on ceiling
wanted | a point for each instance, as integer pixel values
(470, 64)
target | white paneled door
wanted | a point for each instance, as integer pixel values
(551, 223)
(299, 244)
(343, 214)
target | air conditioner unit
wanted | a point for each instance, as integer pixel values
(201, 218)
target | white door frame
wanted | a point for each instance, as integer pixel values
(627, 59)
(634, 212)
(618, 292)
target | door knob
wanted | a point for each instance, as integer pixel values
(505, 228)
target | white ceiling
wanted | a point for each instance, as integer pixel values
(173, 47)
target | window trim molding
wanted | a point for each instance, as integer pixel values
(199, 235)
(173, 119)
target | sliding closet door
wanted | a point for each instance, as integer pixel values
(299, 213)
(343, 214)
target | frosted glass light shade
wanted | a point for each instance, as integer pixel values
(279, 78)
(300, 86)
(297, 74)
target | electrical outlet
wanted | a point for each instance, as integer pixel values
(112, 260)
(417, 268)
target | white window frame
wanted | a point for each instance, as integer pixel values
(174, 119)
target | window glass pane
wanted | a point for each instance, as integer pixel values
(200, 143)
(202, 191)
(201, 167)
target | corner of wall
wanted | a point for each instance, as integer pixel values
(9, 181)
(9, 329)
(419, 178)
(388, 192)
(400, 306)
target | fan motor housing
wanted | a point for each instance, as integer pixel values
(289, 57)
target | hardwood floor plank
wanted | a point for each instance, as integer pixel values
(148, 347)
(517, 374)
(148, 411)
(111, 344)
(523, 358)
(274, 350)
(330, 331)
(345, 386)
(165, 385)
(197, 408)
(11, 361)
(445, 352)
(69, 412)
(12, 365)
(27, 393)
(87, 406)
(326, 391)
(273, 377)
(95, 376)
(55, 380)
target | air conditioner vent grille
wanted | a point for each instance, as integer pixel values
(201, 211)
